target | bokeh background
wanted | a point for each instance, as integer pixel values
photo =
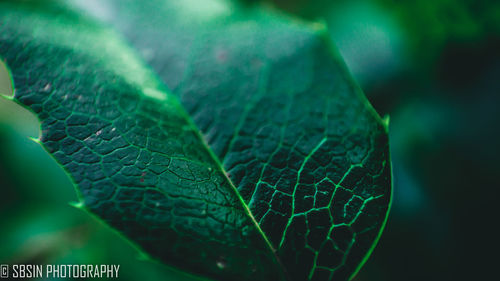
(433, 66)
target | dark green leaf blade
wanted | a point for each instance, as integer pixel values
(135, 157)
(276, 104)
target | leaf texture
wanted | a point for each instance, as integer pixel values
(276, 104)
(288, 173)
(138, 163)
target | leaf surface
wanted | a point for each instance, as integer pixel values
(138, 162)
(273, 101)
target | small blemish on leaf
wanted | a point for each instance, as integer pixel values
(47, 87)
(221, 55)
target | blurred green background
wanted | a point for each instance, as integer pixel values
(432, 66)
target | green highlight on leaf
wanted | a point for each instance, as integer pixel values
(6, 89)
(245, 152)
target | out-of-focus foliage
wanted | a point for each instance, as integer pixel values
(433, 66)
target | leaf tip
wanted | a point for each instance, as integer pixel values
(79, 205)
(36, 140)
(386, 121)
(7, 97)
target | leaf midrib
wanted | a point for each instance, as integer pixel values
(233, 187)
(214, 157)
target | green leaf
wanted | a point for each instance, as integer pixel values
(138, 162)
(288, 176)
